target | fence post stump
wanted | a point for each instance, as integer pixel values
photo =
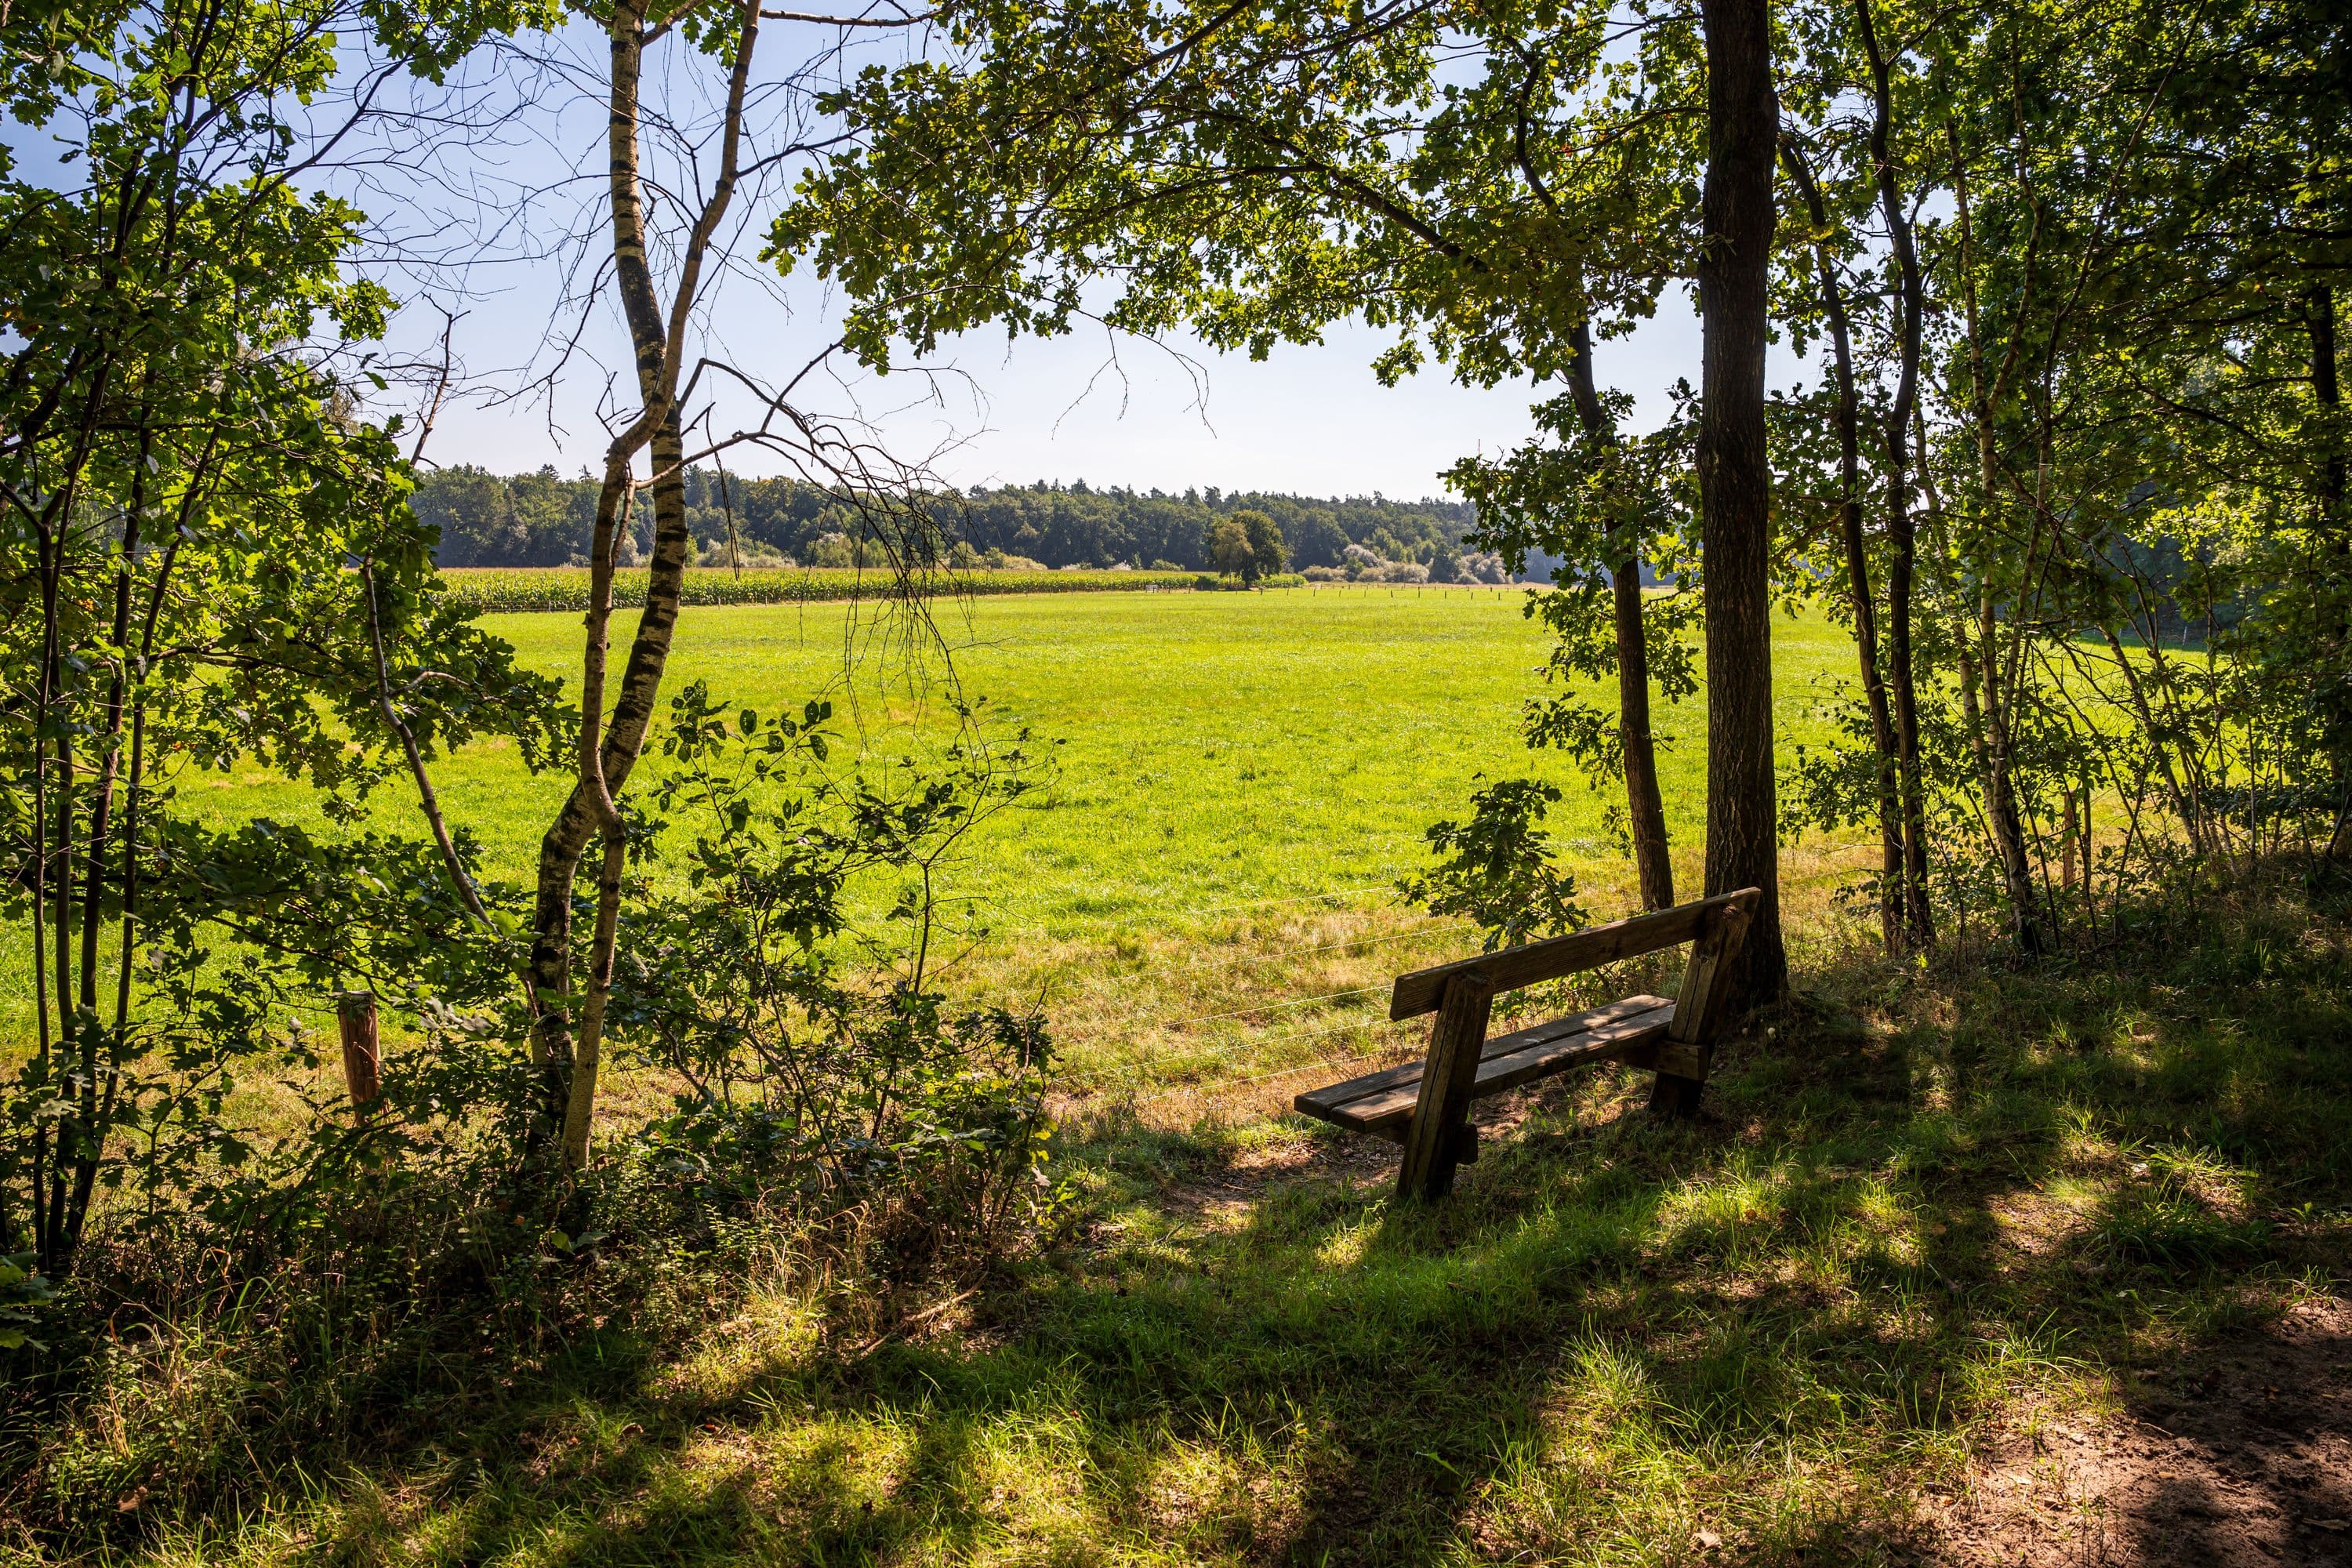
(362, 1056)
(1438, 1137)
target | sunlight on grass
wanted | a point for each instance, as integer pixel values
(1934, 1210)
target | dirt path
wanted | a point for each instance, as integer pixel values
(2240, 1457)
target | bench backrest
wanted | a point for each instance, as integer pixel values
(1531, 963)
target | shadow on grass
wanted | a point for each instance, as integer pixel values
(1925, 1212)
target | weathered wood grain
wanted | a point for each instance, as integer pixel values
(1379, 1101)
(1433, 1139)
(1536, 962)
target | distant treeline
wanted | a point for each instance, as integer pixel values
(541, 520)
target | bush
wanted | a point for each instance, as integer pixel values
(1498, 867)
(818, 1063)
(362, 1279)
(837, 552)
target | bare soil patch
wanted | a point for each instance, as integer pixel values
(2240, 1457)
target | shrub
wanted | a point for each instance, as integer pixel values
(837, 551)
(817, 1061)
(1498, 867)
(1480, 566)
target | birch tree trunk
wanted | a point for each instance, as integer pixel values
(610, 744)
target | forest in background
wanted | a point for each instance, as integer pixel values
(543, 519)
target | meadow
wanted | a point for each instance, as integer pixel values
(1231, 785)
(1950, 1243)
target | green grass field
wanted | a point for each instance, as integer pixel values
(1237, 781)
(1212, 748)
(1947, 1239)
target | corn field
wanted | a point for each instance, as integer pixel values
(490, 590)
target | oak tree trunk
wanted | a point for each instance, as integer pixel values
(1736, 480)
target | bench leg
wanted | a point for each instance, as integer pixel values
(1689, 1050)
(1682, 1079)
(1435, 1140)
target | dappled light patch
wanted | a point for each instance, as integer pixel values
(2235, 1456)
(776, 1329)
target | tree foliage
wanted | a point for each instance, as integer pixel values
(543, 519)
(187, 492)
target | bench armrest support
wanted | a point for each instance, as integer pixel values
(1531, 963)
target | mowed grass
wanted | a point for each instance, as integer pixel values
(1210, 748)
(1231, 785)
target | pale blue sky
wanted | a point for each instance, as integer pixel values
(474, 219)
(1310, 419)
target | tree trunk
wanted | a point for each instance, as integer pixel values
(1993, 752)
(1988, 725)
(606, 760)
(576, 826)
(2327, 391)
(1736, 480)
(1890, 886)
(1901, 533)
(1645, 810)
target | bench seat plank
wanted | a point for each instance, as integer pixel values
(1383, 1102)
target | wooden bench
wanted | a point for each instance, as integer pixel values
(1425, 1105)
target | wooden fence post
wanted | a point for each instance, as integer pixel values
(1440, 1136)
(1689, 1050)
(362, 1056)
